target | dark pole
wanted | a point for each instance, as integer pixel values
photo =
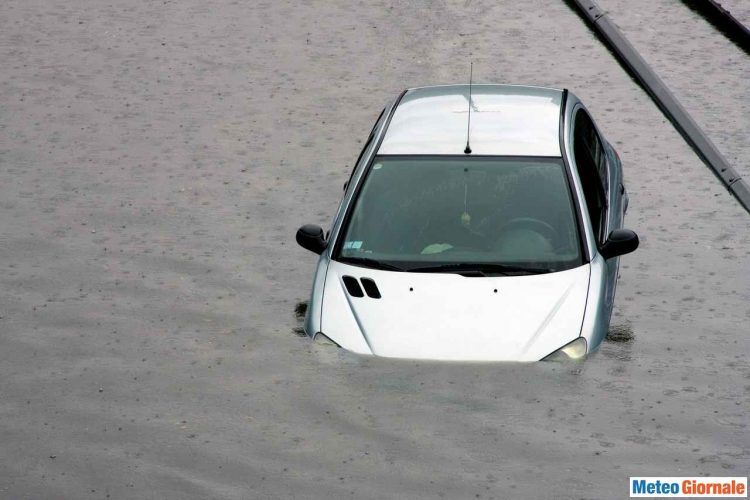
(666, 101)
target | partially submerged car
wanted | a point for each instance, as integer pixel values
(480, 223)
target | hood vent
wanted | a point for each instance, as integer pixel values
(352, 286)
(371, 288)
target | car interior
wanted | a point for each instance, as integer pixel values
(499, 210)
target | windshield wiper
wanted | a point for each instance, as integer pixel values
(480, 269)
(371, 263)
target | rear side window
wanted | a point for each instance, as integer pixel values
(591, 163)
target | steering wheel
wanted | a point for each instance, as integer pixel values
(536, 225)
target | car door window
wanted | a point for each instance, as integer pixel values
(591, 163)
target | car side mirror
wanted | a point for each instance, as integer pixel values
(620, 242)
(311, 238)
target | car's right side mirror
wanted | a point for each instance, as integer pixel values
(620, 242)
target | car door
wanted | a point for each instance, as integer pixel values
(594, 170)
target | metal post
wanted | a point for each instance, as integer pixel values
(666, 101)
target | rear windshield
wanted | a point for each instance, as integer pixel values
(416, 210)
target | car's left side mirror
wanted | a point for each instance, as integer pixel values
(620, 242)
(311, 238)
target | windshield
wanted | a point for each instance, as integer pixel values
(424, 213)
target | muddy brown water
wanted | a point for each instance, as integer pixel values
(156, 159)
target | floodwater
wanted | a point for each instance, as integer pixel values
(739, 9)
(156, 159)
(698, 64)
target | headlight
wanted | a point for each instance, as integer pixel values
(573, 350)
(323, 340)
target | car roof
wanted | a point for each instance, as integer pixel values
(506, 120)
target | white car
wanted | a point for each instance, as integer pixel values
(480, 223)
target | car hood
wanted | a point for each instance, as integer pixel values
(452, 317)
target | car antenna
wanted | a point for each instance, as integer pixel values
(468, 125)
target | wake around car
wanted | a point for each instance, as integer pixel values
(480, 223)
